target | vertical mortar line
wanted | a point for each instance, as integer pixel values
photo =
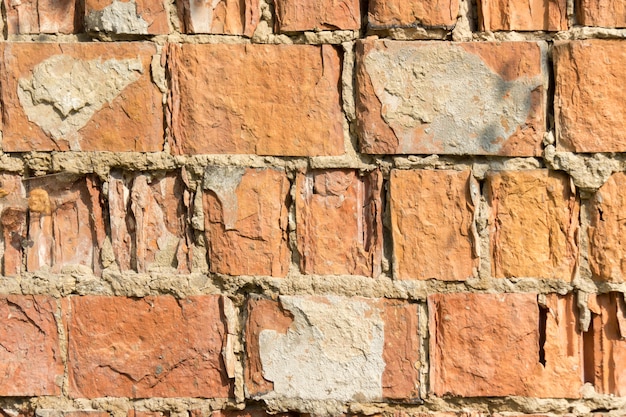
(5, 28)
(387, 260)
(550, 70)
(424, 338)
(64, 339)
(347, 92)
(292, 232)
(483, 227)
(571, 13)
(583, 277)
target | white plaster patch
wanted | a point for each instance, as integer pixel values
(223, 181)
(332, 350)
(118, 17)
(201, 15)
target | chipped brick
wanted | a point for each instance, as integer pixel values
(293, 15)
(232, 17)
(522, 15)
(126, 17)
(400, 13)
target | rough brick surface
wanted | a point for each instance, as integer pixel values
(590, 112)
(13, 222)
(66, 226)
(451, 98)
(233, 17)
(82, 96)
(126, 17)
(42, 16)
(610, 14)
(329, 199)
(30, 355)
(432, 215)
(491, 345)
(149, 221)
(522, 15)
(245, 217)
(607, 245)
(534, 224)
(331, 348)
(257, 99)
(148, 347)
(293, 15)
(400, 13)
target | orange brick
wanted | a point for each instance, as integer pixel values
(239, 17)
(148, 347)
(432, 215)
(148, 216)
(522, 15)
(83, 96)
(42, 16)
(601, 13)
(332, 200)
(293, 15)
(137, 413)
(534, 224)
(30, 355)
(257, 99)
(400, 13)
(590, 112)
(607, 247)
(126, 17)
(492, 345)
(412, 97)
(245, 217)
(332, 348)
(13, 222)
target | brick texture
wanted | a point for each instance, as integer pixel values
(37, 16)
(599, 13)
(126, 17)
(398, 13)
(293, 16)
(522, 15)
(239, 17)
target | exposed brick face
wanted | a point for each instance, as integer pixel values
(601, 13)
(47, 16)
(138, 17)
(238, 17)
(523, 15)
(394, 13)
(293, 16)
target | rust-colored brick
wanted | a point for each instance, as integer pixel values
(298, 15)
(611, 14)
(232, 17)
(522, 15)
(402, 13)
(42, 16)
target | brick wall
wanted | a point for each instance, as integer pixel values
(237, 208)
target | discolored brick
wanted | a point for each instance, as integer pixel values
(133, 17)
(522, 15)
(232, 17)
(42, 16)
(294, 16)
(399, 13)
(13, 212)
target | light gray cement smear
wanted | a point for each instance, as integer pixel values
(201, 15)
(63, 93)
(464, 106)
(118, 17)
(223, 181)
(330, 333)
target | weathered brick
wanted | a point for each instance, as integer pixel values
(245, 217)
(294, 15)
(590, 112)
(66, 225)
(149, 226)
(504, 344)
(611, 14)
(332, 200)
(238, 17)
(13, 222)
(400, 13)
(248, 412)
(41, 16)
(451, 98)
(522, 15)
(82, 96)
(138, 413)
(534, 224)
(432, 222)
(257, 99)
(30, 356)
(607, 246)
(148, 347)
(332, 348)
(126, 16)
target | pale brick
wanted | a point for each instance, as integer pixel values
(245, 221)
(232, 17)
(339, 200)
(590, 112)
(42, 16)
(86, 96)
(257, 99)
(299, 15)
(432, 223)
(451, 98)
(13, 222)
(126, 17)
(401, 13)
(148, 347)
(522, 15)
(534, 224)
(495, 345)
(611, 14)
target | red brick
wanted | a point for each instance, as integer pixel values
(127, 16)
(590, 112)
(432, 213)
(605, 344)
(534, 224)
(65, 226)
(332, 348)
(257, 99)
(148, 347)
(239, 17)
(149, 227)
(332, 200)
(607, 247)
(493, 345)
(412, 97)
(89, 96)
(245, 217)
(41, 16)
(522, 15)
(400, 13)
(30, 356)
(136, 413)
(601, 13)
(13, 222)
(293, 15)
